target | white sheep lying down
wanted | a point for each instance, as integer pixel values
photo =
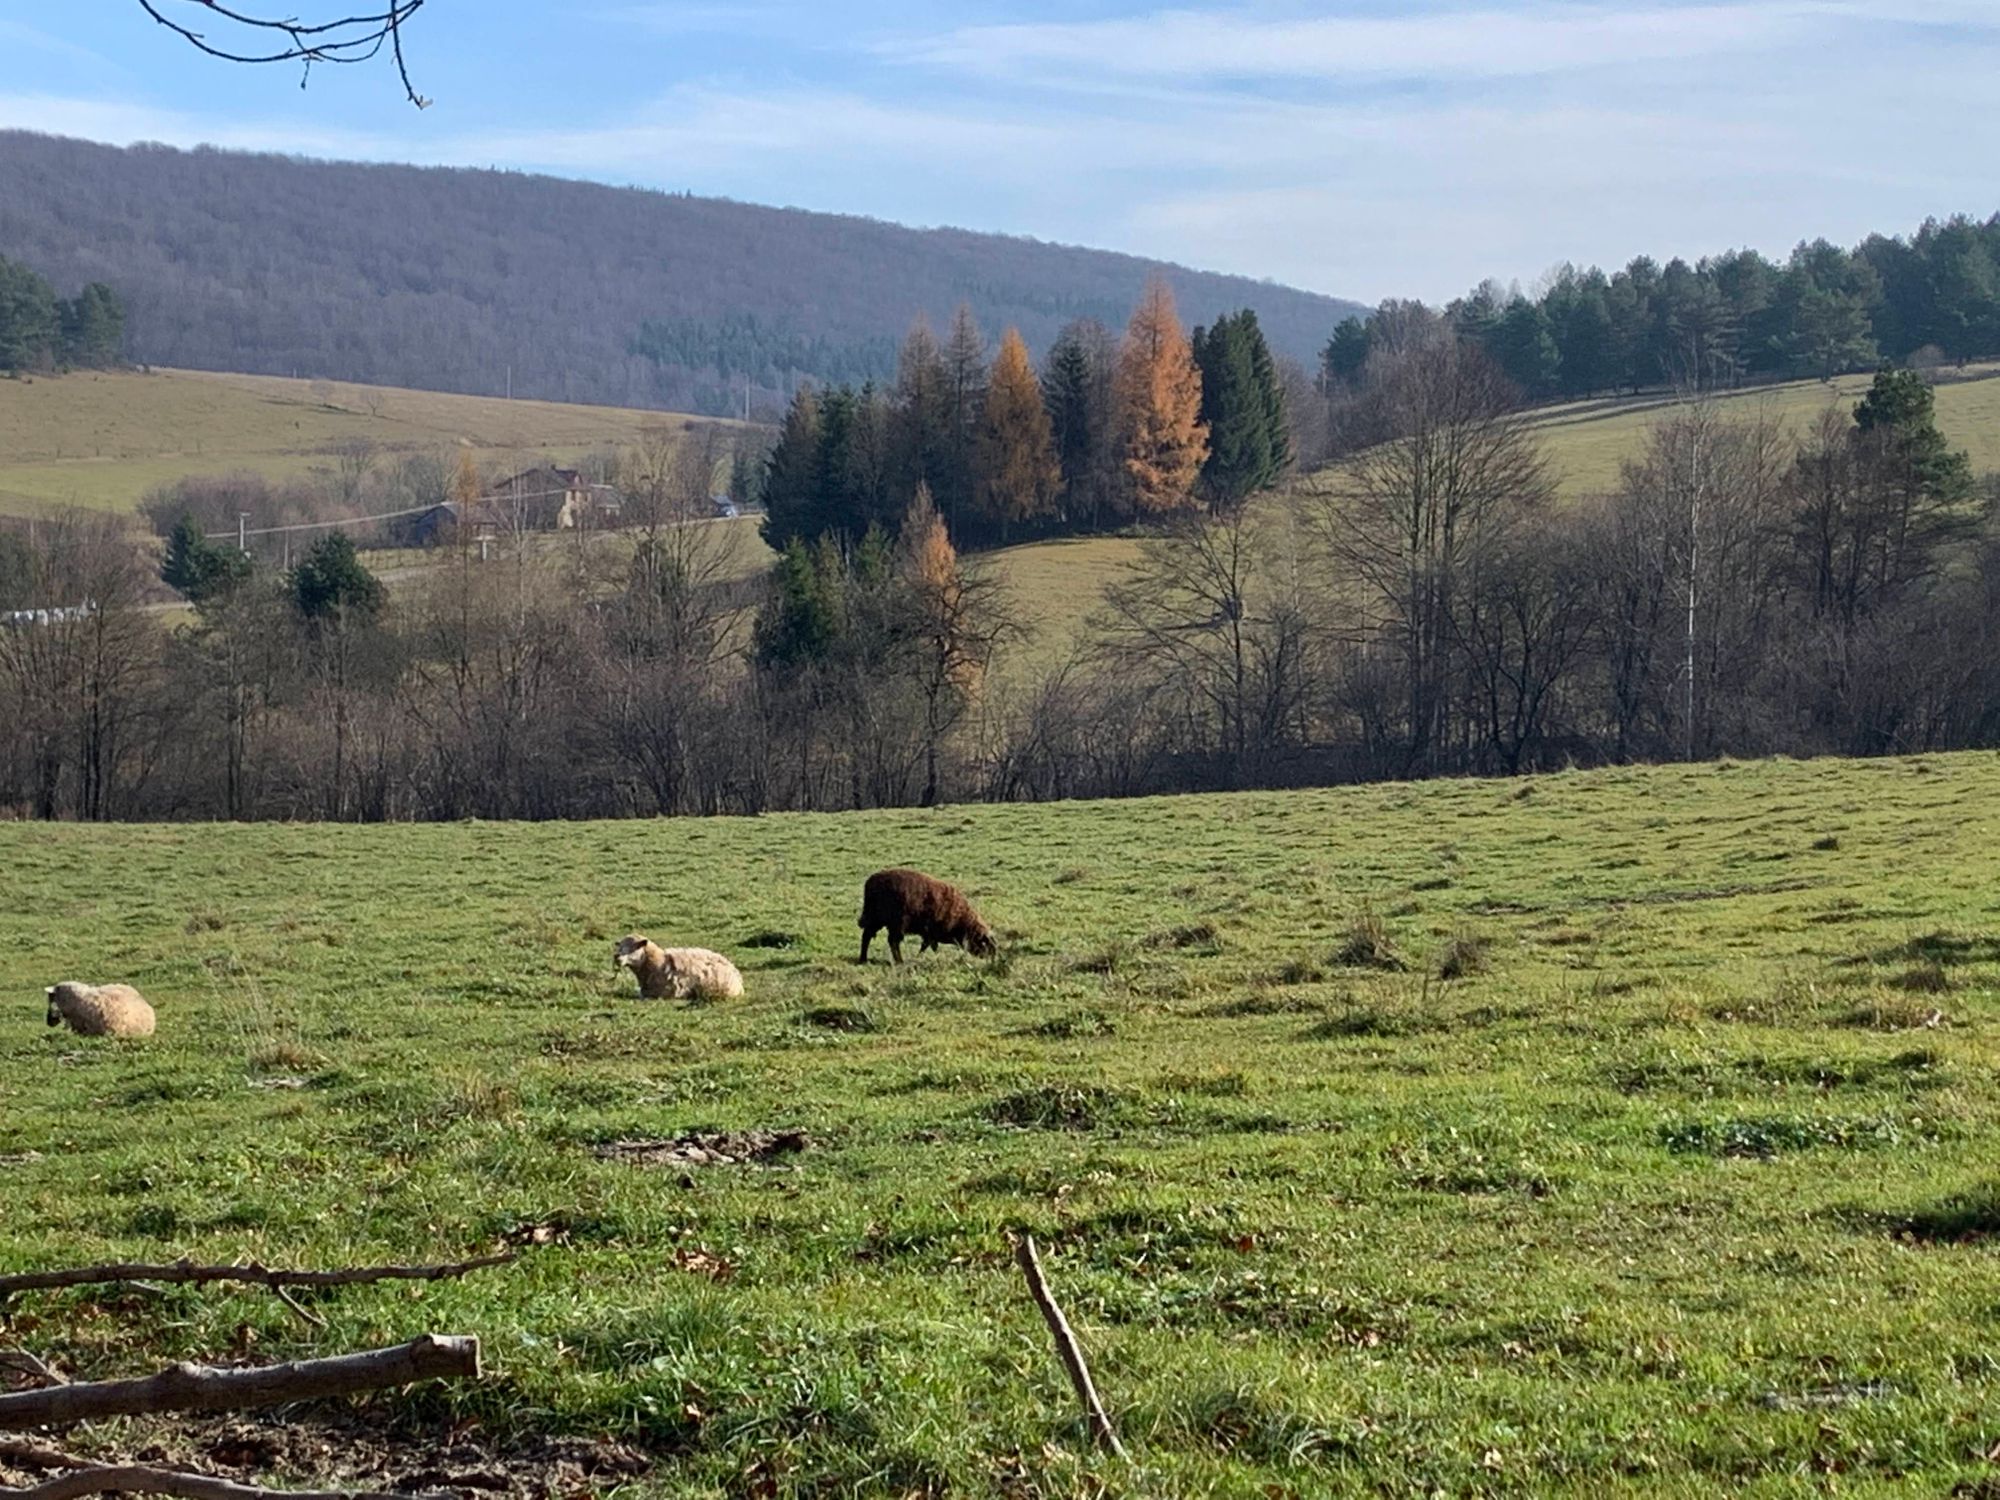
(99, 1009)
(678, 973)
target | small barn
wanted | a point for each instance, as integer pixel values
(546, 498)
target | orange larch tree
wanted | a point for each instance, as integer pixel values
(1161, 434)
(1019, 478)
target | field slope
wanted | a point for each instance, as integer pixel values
(1684, 1183)
(103, 439)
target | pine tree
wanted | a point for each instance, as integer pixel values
(1898, 418)
(1018, 476)
(1161, 435)
(791, 475)
(832, 507)
(197, 567)
(29, 323)
(1271, 395)
(1077, 378)
(332, 586)
(1345, 355)
(92, 328)
(1239, 448)
(964, 388)
(920, 427)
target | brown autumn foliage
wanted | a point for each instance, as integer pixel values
(1162, 436)
(1019, 476)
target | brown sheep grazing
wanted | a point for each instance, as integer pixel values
(910, 903)
(678, 973)
(99, 1009)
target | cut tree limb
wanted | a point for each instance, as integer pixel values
(1066, 1346)
(184, 1271)
(201, 1388)
(21, 1362)
(142, 1479)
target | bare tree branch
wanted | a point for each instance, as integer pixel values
(185, 1271)
(188, 1387)
(346, 39)
(1067, 1346)
(84, 1478)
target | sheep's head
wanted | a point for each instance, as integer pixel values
(979, 942)
(630, 951)
(60, 996)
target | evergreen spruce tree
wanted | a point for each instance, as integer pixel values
(791, 475)
(200, 569)
(1233, 409)
(920, 425)
(1271, 394)
(964, 362)
(1345, 355)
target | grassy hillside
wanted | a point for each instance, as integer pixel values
(105, 439)
(1589, 442)
(1682, 1182)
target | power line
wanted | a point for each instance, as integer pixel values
(387, 515)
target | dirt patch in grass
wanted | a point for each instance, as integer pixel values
(1077, 1024)
(1368, 945)
(1944, 950)
(1263, 1005)
(709, 1148)
(1060, 1106)
(1467, 953)
(1193, 935)
(840, 1018)
(1896, 1013)
(349, 1453)
(1962, 1219)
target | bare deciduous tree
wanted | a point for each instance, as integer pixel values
(1410, 518)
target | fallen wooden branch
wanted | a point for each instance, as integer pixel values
(143, 1479)
(185, 1271)
(202, 1388)
(1066, 1346)
(21, 1362)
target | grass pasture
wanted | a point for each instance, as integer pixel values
(1589, 442)
(1683, 1184)
(103, 439)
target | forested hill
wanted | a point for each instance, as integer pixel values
(446, 278)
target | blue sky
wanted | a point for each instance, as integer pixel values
(1366, 150)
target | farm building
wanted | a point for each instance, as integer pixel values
(546, 498)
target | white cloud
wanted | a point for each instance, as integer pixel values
(122, 123)
(1431, 45)
(20, 34)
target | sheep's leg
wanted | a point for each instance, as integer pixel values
(929, 943)
(896, 943)
(867, 937)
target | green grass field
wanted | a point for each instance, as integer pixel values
(1590, 442)
(104, 439)
(1685, 1184)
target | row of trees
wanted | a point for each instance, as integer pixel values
(1428, 608)
(41, 331)
(1106, 432)
(1932, 298)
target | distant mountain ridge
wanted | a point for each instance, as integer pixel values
(466, 280)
